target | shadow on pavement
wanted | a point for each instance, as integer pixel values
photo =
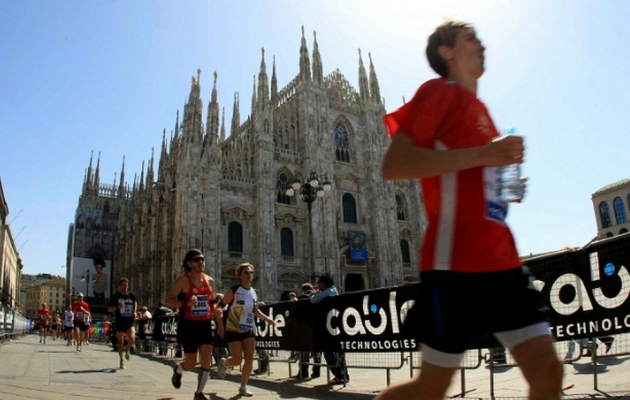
(285, 387)
(588, 368)
(90, 371)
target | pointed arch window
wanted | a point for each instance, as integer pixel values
(282, 185)
(620, 211)
(349, 206)
(342, 148)
(400, 208)
(404, 250)
(235, 237)
(286, 243)
(604, 214)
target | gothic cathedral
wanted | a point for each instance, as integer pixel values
(295, 190)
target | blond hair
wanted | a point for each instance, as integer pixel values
(240, 267)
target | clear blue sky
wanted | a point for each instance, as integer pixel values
(109, 76)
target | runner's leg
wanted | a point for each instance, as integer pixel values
(431, 384)
(541, 367)
(205, 352)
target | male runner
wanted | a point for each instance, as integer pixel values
(195, 324)
(68, 326)
(44, 315)
(81, 311)
(124, 304)
(472, 279)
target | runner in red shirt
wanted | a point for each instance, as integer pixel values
(472, 279)
(81, 311)
(44, 316)
(193, 294)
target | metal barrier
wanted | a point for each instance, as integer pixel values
(494, 359)
(570, 351)
(386, 361)
(12, 324)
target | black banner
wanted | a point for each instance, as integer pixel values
(586, 292)
(359, 321)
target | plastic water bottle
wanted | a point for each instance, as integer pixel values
(512, 187)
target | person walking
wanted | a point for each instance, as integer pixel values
(193, 293)
(471, 273)
(123, 304)
(81, 311)
(242, 308)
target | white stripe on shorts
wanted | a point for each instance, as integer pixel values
(509, 339)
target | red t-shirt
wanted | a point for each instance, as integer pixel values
(79, 315)
(203, 309)
(44, 316)
(467, 230)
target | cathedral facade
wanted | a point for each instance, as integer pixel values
(231, 197)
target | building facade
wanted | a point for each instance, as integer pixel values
(229, 196)
(10, 262)
(612, 208)
(51, 292)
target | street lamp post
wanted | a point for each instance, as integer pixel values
(310, 189)
(85, 277)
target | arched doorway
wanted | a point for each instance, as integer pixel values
(353, 283)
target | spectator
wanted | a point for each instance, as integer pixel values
(143, 317)
(159, 316)
(335, 361)
(263, 354)
(307, 290)
(220, 346)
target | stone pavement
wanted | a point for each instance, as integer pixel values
(30, 370)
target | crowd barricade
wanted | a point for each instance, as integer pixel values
(385, 361)
(12, 324)
(586, 292)
(98, 330)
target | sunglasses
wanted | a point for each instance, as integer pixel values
(248, 272)
(198, 259)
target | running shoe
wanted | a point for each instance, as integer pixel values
(200, 396)
(222, 368)
(244, 391)
(176, 379)
(127, 354)
(122, 364)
